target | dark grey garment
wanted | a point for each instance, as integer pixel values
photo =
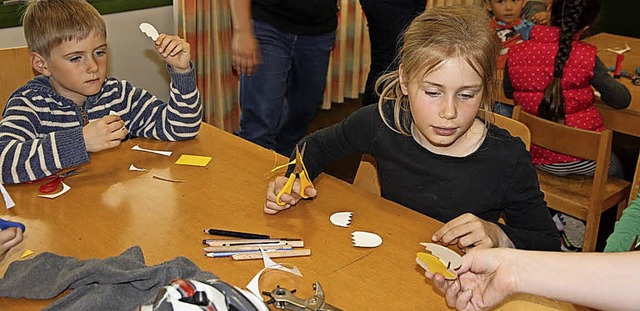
(123, 282)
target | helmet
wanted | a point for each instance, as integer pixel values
(211, 295)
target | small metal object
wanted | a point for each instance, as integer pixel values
(284, 299)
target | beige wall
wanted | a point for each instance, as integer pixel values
(131, 53)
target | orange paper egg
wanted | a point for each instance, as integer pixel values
(435, 265)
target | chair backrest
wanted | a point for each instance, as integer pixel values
(367, 175)
(15, 70)
(514, 127)
(589, 145)
(635, 184)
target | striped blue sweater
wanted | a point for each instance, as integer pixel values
(41, 131)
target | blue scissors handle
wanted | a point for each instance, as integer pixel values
(5, 224)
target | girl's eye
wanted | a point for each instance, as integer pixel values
(465, 96)
(432, 93)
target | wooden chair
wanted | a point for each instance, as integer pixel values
(514, 127)
(583, 197)
(15, 71)
(367, 174)
(635, 185)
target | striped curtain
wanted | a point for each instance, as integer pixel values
(350, 58)
(206, 25)
(437, 3)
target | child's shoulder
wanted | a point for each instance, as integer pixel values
(37, 89)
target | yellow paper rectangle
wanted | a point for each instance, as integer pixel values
(194, 160)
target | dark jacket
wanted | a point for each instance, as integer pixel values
(300, 17)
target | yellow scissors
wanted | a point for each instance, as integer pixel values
(299, 172)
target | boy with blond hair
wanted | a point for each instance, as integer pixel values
(55, 120)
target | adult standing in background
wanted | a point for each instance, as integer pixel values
(386, 20)
(281, 51)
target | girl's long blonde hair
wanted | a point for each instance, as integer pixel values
(432, 38)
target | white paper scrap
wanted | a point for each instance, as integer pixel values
(446, 255)
(134, 168)
(149, 30)
(160, 152)
(268, 264)
(365, 239)
(64, 190)
(8, 201)
(341, 219)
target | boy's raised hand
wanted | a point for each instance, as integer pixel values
(103, 134)
(270, 205)
(175, 51)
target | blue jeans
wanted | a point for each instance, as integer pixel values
(503, 109)
(281, 98)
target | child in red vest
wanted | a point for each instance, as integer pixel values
(552, 74)
(509, 27)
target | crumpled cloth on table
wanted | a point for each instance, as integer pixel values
(122, 282)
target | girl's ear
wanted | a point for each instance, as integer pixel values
(487, 5)
(403, 83)
(39, 63)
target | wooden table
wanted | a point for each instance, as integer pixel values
(626, 120)
(110, 208)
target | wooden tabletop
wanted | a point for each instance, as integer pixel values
(626, 120)
(110, 209)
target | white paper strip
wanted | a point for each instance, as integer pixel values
(268, 264)
(64, 190)
(134, 168)
(160, 152)
(8, 201)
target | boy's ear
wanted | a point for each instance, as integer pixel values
(39, 63)
(403, 83)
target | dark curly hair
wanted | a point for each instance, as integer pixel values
(571, 16)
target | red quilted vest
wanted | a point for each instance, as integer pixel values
(531, 70)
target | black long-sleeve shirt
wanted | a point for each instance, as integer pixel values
(308, 17)
(497, 178)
